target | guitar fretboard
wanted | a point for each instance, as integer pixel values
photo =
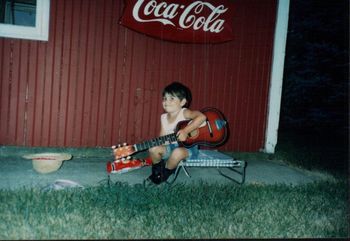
(167, 139)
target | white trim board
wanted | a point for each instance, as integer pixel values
(39, 32)
(275, 93)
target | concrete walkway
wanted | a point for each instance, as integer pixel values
(90, 170)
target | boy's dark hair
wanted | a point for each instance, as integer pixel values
(179, 90)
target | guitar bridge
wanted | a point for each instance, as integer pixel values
(210, 129)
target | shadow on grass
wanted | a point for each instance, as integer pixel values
(321, 150)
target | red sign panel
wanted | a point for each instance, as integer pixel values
(182, 20)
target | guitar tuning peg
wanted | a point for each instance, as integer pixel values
(119, 145)
(124, 144)
(124, 160)
(129, 157)
(113, 147)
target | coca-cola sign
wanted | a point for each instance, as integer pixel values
(181, 20)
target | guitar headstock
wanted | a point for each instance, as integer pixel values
(122, 151)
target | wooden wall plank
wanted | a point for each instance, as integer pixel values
(39, 90)
(104, 72)
(65, 68)
(5, 91)
(86, 138)
(32, 92)
(72, 53)
(114, 86)
(22, 92)
(116, 106)
(56, 76)
(2, 87)
(96, 74)
(125, 110)
(45, 139)
(14, 91)
(80, 78)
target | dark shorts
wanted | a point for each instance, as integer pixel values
(192, 151)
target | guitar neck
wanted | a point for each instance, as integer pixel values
(167, 139)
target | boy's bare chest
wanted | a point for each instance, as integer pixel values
(171, 119)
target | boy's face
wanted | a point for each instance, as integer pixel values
(172, 103)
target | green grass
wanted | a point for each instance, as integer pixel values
(121, 211)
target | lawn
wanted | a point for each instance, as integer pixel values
(120, 211)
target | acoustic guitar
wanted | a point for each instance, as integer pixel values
(214, 132)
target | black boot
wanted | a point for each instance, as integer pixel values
(157, 172)
(167, 173)
(163, 175)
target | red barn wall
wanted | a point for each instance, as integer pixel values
(97, 83)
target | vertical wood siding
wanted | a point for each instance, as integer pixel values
(97, 83)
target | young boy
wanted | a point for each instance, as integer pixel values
(176, 100)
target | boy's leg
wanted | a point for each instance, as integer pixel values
(158, 164)
(156, 153)
(157, 172)
(180, 154)
(176, 156)
(173, 154)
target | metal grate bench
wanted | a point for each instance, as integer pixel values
(209, 158)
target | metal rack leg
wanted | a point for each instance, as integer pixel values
(241, 172)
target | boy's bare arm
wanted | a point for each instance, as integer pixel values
(197, 118)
